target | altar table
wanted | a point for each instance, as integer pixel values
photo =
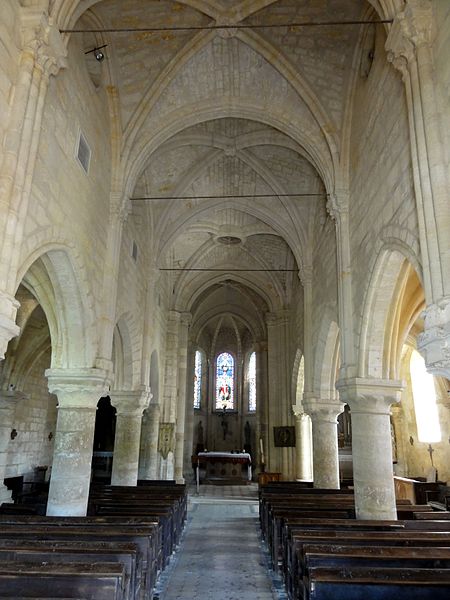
(241, 458)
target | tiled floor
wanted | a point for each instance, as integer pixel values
(221, 555)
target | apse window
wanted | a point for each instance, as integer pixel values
(425, 406)
(225, 382)
(198, 380)
(83, 153)
(252, 382)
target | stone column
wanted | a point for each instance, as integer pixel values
(279, 389)
(170, 388)
(78, 392)
(151, 434)
(189, 418)
(303, 445)
(7, 406)
(338, 208)
(325, 442)
(43, 55)
(181, 399)
(129, 406)
(410, 50)
(370, 401)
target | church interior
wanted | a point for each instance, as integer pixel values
(225, 265)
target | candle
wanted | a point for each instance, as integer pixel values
(262, 451)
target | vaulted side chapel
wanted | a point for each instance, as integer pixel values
(224, 227)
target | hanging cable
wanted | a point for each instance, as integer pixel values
(230, 270)
(216, 27)
(228, 197)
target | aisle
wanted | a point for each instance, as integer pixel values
(221, 556)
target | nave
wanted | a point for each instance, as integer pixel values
(221, 555)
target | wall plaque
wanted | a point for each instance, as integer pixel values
(284, 436)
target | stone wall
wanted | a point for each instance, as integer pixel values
(382, 201)
(34, 420)
(68, 206)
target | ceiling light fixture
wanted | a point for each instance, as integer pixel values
(97, 52)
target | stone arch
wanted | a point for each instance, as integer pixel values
(326, 360)
(52, 276)
(381, 311)
(124, 358)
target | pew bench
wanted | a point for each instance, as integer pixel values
(372, 583)
(92, 581)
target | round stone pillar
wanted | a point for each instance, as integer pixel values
(151, 434)
(78, 393)
(7, 407)
(325, 444)
(370, 401)
(303, 445)
(130, 407)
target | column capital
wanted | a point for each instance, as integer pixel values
(322, 410)
(41, 38)
(338, 204)
(120, 207)
(370, 395)
(131, 403)
(434, 342)
(305, 274)
(77, 388)
(279, 317)
(299, 412)
(411, 29)
(8, 328)
(185, 318)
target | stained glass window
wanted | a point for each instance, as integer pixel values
(252, 382)
(225, 382)
(198, 380)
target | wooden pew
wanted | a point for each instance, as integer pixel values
(32, 551)
(372, 557)
(353, 538)
(357, 583)
(92, 581)
(140, 536)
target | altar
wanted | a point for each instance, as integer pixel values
(223, 465)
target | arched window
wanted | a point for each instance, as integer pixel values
(225, 382)
(252, 382)
(198, 380)
(424, 395)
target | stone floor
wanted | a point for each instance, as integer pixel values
(221, 556)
